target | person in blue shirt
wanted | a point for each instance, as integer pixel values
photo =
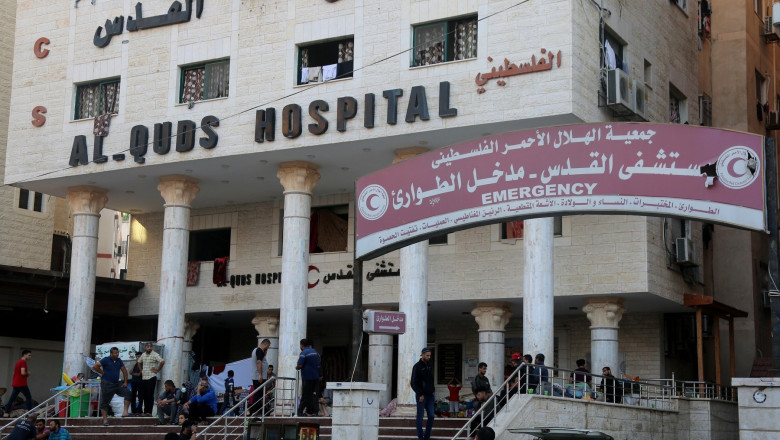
(203, 404)
(58, 433)
(309, 366)
(109, 367)
(542, 376)
(230, 392)
(24, 430)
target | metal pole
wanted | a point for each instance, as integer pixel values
(771, 224)
(357, 314)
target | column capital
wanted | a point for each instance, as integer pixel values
(402, 154)
(266, 324)
(491, 315)
(298, 176)
(177, 189)
(86, 199)
(191, 326)
(604, 312)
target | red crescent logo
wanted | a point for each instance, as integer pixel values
(311, 268)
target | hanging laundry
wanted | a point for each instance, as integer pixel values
(101, 125)
(304, 75)
(315, 73)
(329, 72)
(193, 273)
(220, 270)
(610, 60)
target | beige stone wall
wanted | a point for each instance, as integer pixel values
(26, 235)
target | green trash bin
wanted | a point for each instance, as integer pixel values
(79, 403)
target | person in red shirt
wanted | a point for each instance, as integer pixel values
(454, 395)
(19, 382)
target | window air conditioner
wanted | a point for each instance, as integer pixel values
(640, 100)
(620, 90)
(684, 251)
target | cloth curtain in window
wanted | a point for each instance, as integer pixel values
(430, 44)
(466, 39)
(331, 232)
(88, 97)
(304, 57)
(193, 85)
(514, 229)
(109, 98)
(217, 83)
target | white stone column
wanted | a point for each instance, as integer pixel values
(298, 180)
(178, 192)
(380, 364)
(538, 293)
(267, 327)
(492, 318)
(191, 326)
(413, 302)
(85, 204)
(604, 315)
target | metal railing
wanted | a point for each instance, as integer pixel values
(276, 397)
(49, 408)
(652, 394)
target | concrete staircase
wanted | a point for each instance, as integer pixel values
(145, 428)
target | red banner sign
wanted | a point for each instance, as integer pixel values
(648, 169)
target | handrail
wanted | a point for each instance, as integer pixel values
(646, 393)
(269, 386)
(37, 408)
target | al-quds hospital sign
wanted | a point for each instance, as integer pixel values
(649, 169)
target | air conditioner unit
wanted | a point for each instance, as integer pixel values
(685, 251)
(773, 121)
(640, 100)
(768, 26)
(705, 110)
(620, 90)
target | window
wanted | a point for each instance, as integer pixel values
(648, 74)
(209, 244)
(449, 363)
(514, 229)
(760, 96)
(30, 200)
(328, 229)
(326, 61)
(682, 4)
(705, 110)
(613, 53)
(444, 41)
(97, 98)
(678, 106)
(438, 239)
(205, 81)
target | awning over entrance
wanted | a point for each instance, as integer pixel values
(707, 305)
(26, 288)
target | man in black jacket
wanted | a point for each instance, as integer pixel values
(422, 384)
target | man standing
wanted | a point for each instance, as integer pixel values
(581, 374)
(422, 385)
(58, 433)
(258, 354)
(24, 430)
(136, 385)
(309, 365)
(167, 403)
(151, 364)
(19, 383)
(109, 367)
(481, 383)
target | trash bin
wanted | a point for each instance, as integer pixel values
(61, 401)
(79, 402)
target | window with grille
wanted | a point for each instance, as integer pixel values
(678, 106)
(443, 41)
(205, 81)
(30, 200)
(97, 98)
(326, 61)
